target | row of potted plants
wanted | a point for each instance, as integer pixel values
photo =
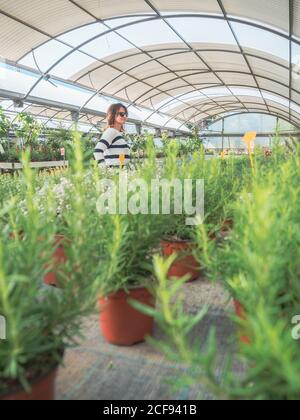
(41, 324)
(259, 264)
(52, 231)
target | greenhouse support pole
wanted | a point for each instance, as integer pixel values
(223, 129)
(138, 129)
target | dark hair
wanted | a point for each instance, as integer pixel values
(112, 113)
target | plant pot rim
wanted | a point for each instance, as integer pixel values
(131, 288)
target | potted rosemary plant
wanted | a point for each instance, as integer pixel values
(40, 323)
(126, 271)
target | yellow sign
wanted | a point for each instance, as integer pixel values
(122, 159)
(249, 137)
(223, 155)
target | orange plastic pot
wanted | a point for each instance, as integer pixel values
(42, 390)
(120, 323)
(186, 263)
(241, 313)
(58, 259)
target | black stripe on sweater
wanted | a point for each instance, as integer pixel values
(117, 139)
(122, 146)
(109, 157)
(105, 142)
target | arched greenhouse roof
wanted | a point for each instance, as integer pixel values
(171, 62)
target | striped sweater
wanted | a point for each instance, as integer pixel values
(110, 147)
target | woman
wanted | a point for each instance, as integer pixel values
(113, 149)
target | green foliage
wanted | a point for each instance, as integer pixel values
(138, 145)
(27, 129)
(190, 146)
(41, 322)
(128, 240)
(4, 125)
(59, 137)
(258, 261)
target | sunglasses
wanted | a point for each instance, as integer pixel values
(122, 114)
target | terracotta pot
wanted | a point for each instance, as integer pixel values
(58, 259)
(186, 262)
(42, 390)
(120, 323)
(241, 313)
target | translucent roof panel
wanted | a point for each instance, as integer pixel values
(59, 16)
(158, 119)
(109, 8)
(106, 45)
(67, 95)
(175, 124)
(99, 103)
(273, 70)
(186, 61)
(150, 33)
(276, 98)
(237, 79)
(15, 81)
(258, 10)
(72, 64)
(141, 113)
(274, 87)
(60, 93)
(222, 60)
(208, 30)
(80, 35)
(206, 6)
(169, 104)
(258, 39)
(153, 53)
(53, 17)
(296, 20)
(65, 69)
(6, 104)
(46, 55)
(17, 39)
(295, 108)
(118, 22)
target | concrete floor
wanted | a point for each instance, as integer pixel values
(99, 371)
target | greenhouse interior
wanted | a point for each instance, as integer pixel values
(149, 184)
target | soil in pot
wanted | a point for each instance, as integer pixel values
(186, 263)
(120, 323)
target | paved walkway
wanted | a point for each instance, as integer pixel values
(99, 371)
